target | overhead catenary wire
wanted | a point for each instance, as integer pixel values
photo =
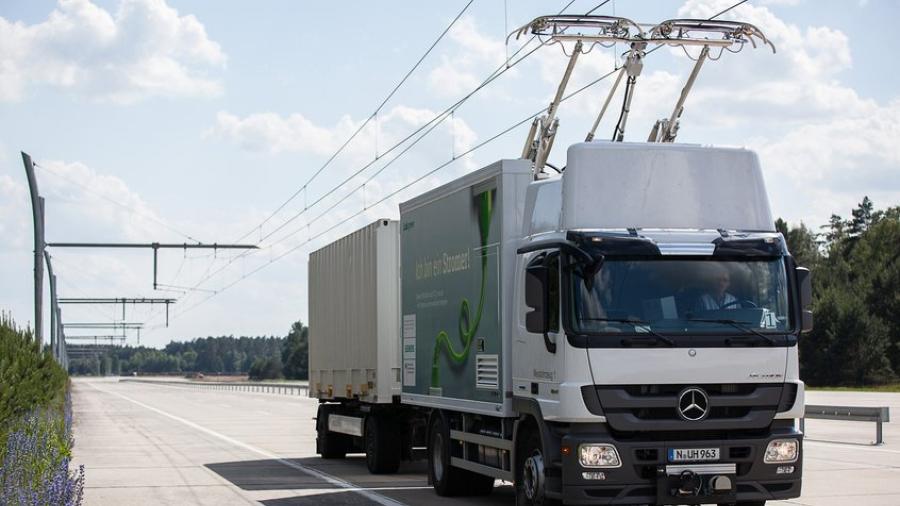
(359, 129)
(395, 192)
(500, 70)
(415, 181)
(429, 125)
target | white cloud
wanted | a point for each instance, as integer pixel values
(474, 55)
(144, 49)
(822, 145)
(274, 133)
(100, 207)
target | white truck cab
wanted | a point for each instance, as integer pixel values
(656, 335)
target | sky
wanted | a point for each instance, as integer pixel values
(186, 121)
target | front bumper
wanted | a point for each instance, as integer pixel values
(642, 479)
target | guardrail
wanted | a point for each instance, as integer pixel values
(242, 386)
(879, 415)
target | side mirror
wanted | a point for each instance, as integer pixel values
(536, 295)
(804, 284)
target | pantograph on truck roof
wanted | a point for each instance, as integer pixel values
(589, 31)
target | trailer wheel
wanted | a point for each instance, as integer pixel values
(382, 442)
(531, 481)
(329, 445)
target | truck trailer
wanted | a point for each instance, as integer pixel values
(623, 332)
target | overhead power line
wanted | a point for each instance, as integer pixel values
(427, 127)
(363, 125)
(505, 66)
(395, 192)
(420, 178)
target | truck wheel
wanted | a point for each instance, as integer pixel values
(447, 480)
(530, 473)
(329, 445)
(382, 445)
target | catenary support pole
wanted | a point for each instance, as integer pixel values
(37, 216)
(54, 328)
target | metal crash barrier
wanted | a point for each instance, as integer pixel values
(879, 415)
(242, 386)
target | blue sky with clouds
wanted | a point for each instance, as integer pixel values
(153, 120)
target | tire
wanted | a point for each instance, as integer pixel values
(451, 481)
(382, 442)
(446, 480)
(530, 477)
(329, 445)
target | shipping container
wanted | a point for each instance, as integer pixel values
(353, 316)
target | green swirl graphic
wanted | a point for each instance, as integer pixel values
(467, 327)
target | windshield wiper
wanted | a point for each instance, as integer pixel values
(736, 324)
(645, 325)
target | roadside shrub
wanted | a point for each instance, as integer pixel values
(29, 376)
(35, 424)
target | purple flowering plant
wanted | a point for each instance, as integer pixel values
(35, 425)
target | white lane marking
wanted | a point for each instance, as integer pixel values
(333, 480)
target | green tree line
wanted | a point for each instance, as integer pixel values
(265, 357)
(856, 296)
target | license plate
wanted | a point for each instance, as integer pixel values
(693, 454)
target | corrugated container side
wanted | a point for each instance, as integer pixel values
(348, 318)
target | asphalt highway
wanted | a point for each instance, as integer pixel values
(145, 444)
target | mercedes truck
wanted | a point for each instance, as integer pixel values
(622, 332)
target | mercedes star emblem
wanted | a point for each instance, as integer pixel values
(693, 404)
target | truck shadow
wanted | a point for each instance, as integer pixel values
(408, 486)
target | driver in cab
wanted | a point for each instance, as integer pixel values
(717, 296)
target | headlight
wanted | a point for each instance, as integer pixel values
(782, 451)
(598, 455)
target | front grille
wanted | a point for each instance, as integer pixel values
(744, 406)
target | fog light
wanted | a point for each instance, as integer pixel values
(785, 470)
(782, 451)
(593, 475)
(598, 455)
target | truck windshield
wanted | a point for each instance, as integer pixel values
(683, 296)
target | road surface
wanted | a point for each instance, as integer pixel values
(154, 444)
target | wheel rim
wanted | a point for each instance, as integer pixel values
(533, 477)
(437, 456)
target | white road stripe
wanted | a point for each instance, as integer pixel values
(333, 480)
